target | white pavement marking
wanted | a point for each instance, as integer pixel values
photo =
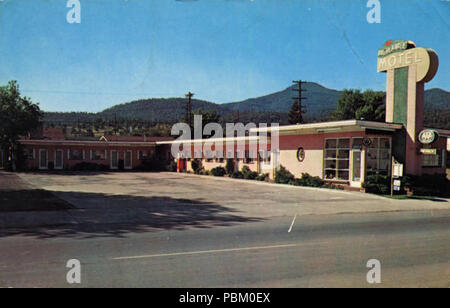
(205, 252)
(292, 224)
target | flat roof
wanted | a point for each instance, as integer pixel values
(441, 132)
(324, 127)
(225, 140)
(84, 142)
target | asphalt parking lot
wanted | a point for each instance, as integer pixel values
(185, 199)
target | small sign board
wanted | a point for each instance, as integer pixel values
(428, 151)
(397, 170)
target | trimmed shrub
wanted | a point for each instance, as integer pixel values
(172, 166)
(248, 174)
(377, 184)
(237, 175)
(85, 166)
(312, 181)
(427, 184)
(229, 166)
(218, 171)
(196, 165)
(204, 172)
(263, 177)
(283, 176)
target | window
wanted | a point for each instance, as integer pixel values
(378, 156)
(76, 154)
(59, 163)
(98, 155)
(128, 161)
(28, 154)
(433, 160)
(337, 159)
(146, 154)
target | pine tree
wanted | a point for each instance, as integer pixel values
(295, 115)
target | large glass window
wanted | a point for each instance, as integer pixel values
(433, 160)
(76, 155)
(337, 159)
(98, 155)
(378, 159)
(28, 154)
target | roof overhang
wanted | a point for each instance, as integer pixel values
(84, 143)
(245, 139)
(329, 127)
(441, 132)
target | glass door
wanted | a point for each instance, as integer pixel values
(356, 168)
(128, 160)
(58, 159)
(114, 159)
(43, 159)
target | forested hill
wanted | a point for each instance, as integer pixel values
(320, 102)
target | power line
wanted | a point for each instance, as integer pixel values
(297, 111)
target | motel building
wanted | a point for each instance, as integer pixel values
(341, 152)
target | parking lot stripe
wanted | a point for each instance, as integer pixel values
(205, 252)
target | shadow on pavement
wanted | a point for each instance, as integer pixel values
(103, 215)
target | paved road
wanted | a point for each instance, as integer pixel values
(320, 251)
(169, 230)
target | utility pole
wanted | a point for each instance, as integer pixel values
(189, 108)
(297, 110)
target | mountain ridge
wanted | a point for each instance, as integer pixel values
(320, 101)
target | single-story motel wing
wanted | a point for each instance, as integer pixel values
(341, 152)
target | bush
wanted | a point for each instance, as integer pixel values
(85, 166)
(263, 177)
(156, 164)
(204, 172)
(427, 184)
(229, 166)
(218, 171)
(237, 175)
(196, 165)
(172, 166)
(311, 181)
(248, 174)
(282, 176)
(378, 184)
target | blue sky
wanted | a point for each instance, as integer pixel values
(222, 50)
